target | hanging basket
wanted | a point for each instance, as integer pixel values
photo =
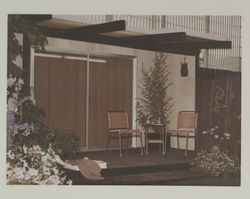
(184, 70)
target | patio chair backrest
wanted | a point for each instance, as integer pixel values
(187, 120)
(118, 120)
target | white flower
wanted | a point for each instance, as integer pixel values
(33, 172)
(12, 105)
(42, 167)
(20, 81)
(24, 149)
(11, 81)
(23, 126)
(19, 172)
(204, 132)
(227, 134)
(25, 164)
(36, 149)
(216, 136)
(58, 160)
(54, 179)
(69, 182)
(11, 155)
(56, 171)
(46, 171)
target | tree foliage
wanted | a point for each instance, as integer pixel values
(25, 124)
(18, 24)
(154, 103)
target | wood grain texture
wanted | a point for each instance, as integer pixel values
(60, 88)
(110, 89)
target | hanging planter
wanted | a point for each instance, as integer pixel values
(184, 68)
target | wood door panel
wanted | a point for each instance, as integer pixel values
(41, 85)
(110, 89)
(60, 88)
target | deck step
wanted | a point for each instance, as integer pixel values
(145, 169)
(156, 178)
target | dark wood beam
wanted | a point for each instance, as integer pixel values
(198, 44)
(26, 59)
(99, 28)
(116, 41)
(178, 47)
(37, 18)
(211, 44)
(164, 37)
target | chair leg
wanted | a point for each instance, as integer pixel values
(141, 144)
(165, 142)
(186, 145)
(178, 143)
(127, 143)
(107, 145)
(120, 143)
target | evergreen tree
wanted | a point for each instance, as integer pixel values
(154, 104)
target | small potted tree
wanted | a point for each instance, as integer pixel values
(154, 105)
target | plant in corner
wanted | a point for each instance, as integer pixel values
(219, 144)
(31, 158)
(154, 104)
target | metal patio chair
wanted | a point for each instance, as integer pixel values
(186, 127)
(118, 124)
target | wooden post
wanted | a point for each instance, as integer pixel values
(26, 59)
(197, 98)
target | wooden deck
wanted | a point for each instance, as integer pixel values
(132, 158)
(136, 169)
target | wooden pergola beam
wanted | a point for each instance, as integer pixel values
(163, 37)
(177, 42)
(116, 41)
(100, 28)
(37, 18)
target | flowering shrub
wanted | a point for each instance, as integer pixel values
(215, 162)
(31, 158)
(34, 166)
(214, 137)
(214, 157)
(16, 124)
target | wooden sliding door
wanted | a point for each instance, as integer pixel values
(60, 89)
(110, 88)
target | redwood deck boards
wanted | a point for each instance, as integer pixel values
(133, 158)
(136, 169)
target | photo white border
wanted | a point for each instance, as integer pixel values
(165, 7)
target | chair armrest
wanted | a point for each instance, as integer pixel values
(176, 131)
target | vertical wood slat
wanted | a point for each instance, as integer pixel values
(110, 89)
(60, 90)
(41, 74)
(26, 59)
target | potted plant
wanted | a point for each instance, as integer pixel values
(154, 104)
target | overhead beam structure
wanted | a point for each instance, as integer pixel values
(172, 42)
